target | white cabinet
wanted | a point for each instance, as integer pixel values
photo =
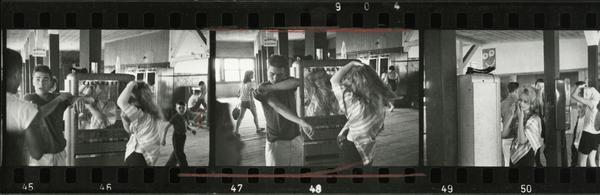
(479, 120)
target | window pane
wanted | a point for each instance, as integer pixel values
(232, 75)
(246, 64)
(231, 64)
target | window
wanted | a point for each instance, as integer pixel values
(232, 69)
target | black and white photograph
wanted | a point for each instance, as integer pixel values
(318, 98)
(523, 99)
(106, 98)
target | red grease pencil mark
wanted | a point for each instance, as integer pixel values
(317, 174)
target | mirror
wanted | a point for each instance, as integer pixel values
(319, 99)
(96, 107)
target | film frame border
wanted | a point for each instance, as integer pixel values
(418, 16)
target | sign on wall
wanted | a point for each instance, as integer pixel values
(270, 42)
(39, 53)
(489, 57)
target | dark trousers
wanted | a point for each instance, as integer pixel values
(136, 160)
(350, 154)
(393, 84)
(178, 156)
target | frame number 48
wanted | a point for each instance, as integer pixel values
(316, 189)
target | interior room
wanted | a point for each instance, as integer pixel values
(239, 51)
(478, 94)
(171, 62)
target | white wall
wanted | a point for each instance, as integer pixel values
(528, 57)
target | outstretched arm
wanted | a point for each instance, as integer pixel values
(288, 114)
(290, 83)
(48, 109)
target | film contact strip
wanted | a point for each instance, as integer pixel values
(299, 15)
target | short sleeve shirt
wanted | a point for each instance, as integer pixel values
(278, 127)
(178, 123)
(19, 115)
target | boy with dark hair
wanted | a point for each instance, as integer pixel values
(179, 128)
(52, 106)
(282, 147)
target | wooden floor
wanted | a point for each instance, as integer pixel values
(397, 145)
(196, 148)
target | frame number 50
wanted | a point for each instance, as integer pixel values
(526, 189)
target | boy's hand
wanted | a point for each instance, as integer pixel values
(308, 129)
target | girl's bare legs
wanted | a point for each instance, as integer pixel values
(582, 160)
(391, 106)
(239, 121)
(592, 157)
(253, 111)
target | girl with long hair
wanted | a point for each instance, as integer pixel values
(140, 117)
(529, 129)
(590, 137)
(247, 101)
(363, 97)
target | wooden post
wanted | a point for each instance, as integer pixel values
(54, 59)
(593, 66)
(441, 97)
(212, 97)
(90, 49)
(553, 135)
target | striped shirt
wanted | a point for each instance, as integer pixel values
(362, 129)
(533, 132)
(145, 138)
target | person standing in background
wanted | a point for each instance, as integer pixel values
(246, 101)
(590, 137)
(578, 110)
(179, 129)
(509, 124)
(391, 79)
